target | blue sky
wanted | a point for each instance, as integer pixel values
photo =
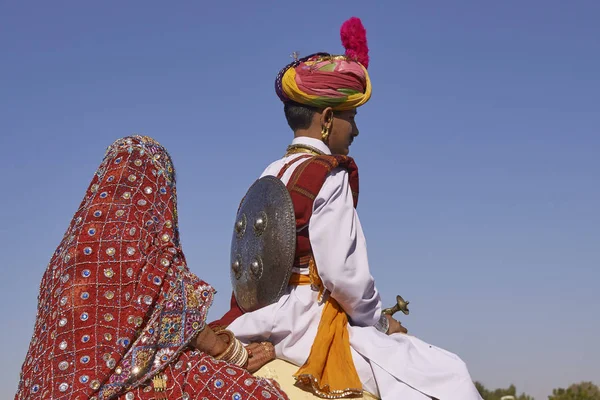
(478, 154)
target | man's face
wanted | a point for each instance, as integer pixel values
(343, 131)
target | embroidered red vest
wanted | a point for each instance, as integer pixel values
(304, 186)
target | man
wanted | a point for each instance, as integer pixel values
(329, 322)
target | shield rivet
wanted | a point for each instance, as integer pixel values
(260, 224)
(236, 267)
(256, 268)
(240, 226)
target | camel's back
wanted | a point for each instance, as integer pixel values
(283, 372)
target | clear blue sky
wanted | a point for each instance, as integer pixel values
(479, 154)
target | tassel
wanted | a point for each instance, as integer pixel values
(160, 386)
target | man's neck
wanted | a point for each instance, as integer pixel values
(310, 133)
(308, 141)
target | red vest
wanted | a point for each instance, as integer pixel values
(304, 186)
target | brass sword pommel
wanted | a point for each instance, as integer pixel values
(401, 305)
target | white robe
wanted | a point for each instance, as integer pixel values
(397, 366)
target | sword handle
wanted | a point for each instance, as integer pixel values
(401, 305)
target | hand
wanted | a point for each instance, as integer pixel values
(395, 326)
(258, 355)
(210, 342)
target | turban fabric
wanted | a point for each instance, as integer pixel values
(322, 80)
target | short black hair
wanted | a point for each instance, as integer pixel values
(298, 116)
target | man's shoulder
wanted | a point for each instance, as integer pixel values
(328, 166)
(273, 168)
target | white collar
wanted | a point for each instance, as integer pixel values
(312, 142)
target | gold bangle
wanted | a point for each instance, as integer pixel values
(240, 354)
(235, 352)
(230, 347)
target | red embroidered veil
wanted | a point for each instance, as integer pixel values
(118, 304)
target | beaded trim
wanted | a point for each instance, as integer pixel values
(303, 148)
(235, 352)
(326, 393)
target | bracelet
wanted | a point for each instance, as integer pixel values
(235, 352)
(383, 325)
(230, 347)
(240, 354)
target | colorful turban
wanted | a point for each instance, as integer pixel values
(323, 80)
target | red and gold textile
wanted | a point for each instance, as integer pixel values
(118, 305)
(304, 186)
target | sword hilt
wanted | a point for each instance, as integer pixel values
(401, 305)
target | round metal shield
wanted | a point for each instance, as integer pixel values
(263, 244)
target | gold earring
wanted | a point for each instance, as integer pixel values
(325, 134)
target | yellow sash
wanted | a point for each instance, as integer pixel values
(329, 369)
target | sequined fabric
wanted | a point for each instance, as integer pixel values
(198, 376)
(117, 303)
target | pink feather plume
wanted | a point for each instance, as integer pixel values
(354, 39)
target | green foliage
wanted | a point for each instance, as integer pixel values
(577, 391)
(499, 393)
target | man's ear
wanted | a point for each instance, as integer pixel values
(327, 118)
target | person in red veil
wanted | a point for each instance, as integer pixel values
(120, 315)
